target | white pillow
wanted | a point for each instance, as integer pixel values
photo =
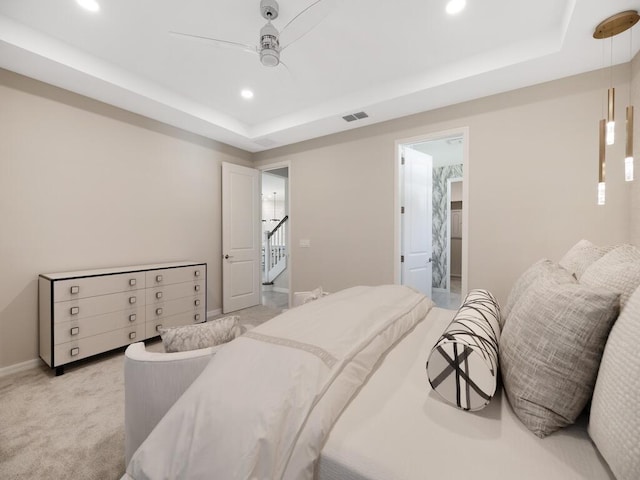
(614, 422)
(581, 255)
(463, 365)
(618, 270)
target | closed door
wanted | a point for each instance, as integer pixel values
(417, 226)
(240, 237)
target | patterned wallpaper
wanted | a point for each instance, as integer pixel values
(440, 177)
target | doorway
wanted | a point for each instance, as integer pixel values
(449, 154)
(275, 227)
(455, 210)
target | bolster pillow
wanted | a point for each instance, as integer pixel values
(463, 365)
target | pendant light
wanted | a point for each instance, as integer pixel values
(628, 160)
(609, 28)
(601, 162)
(628, 157)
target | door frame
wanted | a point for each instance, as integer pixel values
(276, 166)
(397, 198)
(449, 182)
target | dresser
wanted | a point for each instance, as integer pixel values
(88, 312)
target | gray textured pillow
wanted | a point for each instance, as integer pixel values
(201, 335)
(539, 269)
(618, 270)
(550, 350)
(614, 423)
(581, 255)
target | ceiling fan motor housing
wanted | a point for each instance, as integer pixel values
(269, 9)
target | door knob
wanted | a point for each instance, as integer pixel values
(227, 257)
(430, 260)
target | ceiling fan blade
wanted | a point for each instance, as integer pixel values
(216, 41)
(305, 21)
(287, 69)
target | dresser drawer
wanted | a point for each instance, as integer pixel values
(168, 276)
(174, 307)
(174, 291)
(89, 307)
(197, 316)
(90, 326)
(92, 286)
(85, 347)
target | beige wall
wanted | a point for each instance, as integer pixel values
(532, 179)
(634, 211)
(86, 185)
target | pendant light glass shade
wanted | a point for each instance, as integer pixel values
(611, 123)
(601, 163)
(628, 161)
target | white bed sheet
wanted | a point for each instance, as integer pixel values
(397, 428)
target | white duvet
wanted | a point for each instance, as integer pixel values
(264, 406)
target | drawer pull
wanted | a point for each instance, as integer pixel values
(158, 278)
(132, 300)
(132, 317)
(75, 289)
(75, 330)
(197, 288)
(158, 294)
(158, 311)
(196, 317)
(197, 273)
(158, 327)
(132, 282)
(75, 310)
(132, 335)
(197, 303)
(75, 351)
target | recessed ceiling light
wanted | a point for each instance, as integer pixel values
(246, 93)
(456, 6)
(90, 5)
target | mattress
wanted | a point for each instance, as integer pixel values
(397, 428)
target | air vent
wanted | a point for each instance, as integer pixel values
(355, 116)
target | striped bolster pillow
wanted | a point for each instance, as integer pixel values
(463, 365)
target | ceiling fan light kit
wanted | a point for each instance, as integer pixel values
(269, 45)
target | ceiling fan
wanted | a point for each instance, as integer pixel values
(271, 41)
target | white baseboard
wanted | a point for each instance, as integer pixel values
(19, 367)
(213, 313)
(280, 290)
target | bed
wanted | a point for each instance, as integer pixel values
(377, 418)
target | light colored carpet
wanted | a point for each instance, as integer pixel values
(72, 426)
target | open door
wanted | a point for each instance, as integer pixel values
(417, 175)
(241, 241)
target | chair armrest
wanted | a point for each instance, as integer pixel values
(153, 381)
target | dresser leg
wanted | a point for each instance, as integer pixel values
(59, 371)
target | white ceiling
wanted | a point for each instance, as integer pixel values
(443, 151)
(388, 58)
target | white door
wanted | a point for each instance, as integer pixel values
(417, 221)
(241, 241)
